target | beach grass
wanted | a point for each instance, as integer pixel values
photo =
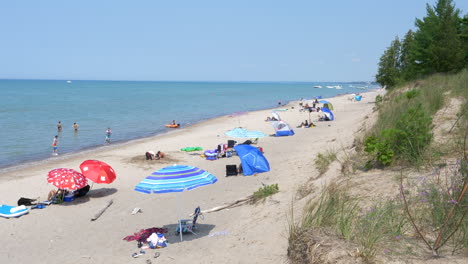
(323, 160)
(263, 192)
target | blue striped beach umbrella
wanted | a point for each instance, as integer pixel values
(177, 178)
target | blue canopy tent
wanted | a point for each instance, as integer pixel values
(252, 159)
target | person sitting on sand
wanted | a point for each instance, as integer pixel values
(150, 155)
(56, 196)
(268, 119)
(160, 155)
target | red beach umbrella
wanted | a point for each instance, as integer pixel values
(98, 171)
(67, 179)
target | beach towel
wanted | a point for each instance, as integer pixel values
(143, 234)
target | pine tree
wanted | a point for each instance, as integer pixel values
(389, 65)
(438, 47)
(406, 58)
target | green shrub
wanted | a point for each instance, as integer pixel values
(380, 151)
(264, 192)
(378, 99)
(412, 94)
(412, 134)
(406, 141)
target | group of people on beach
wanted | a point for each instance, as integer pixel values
(75, 128)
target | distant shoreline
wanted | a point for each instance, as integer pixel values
(117, 144)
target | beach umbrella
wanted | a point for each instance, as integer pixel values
(239, 132)
(66, 179)
(176, 178)
(97, 171)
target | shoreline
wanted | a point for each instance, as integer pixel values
(72, 154)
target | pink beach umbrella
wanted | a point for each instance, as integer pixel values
(66, 179)
(98, 171)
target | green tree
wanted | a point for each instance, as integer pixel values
(406, 57)
(464, 37)
(438, 47)
(389, 66)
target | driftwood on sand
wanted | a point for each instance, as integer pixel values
(96, 216)
(230, 205)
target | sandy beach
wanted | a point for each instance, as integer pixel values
(246, 234)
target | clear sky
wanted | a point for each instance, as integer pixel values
(201, 40)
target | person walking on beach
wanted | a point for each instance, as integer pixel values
(75, 127)
(108, 135)
(59, 126)
(54, 146)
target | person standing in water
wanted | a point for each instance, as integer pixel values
(75, 127)
(54, 146)
(108, 135)
(59, 126)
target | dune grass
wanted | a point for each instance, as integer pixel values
(323, 161)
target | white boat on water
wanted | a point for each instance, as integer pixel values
(330, 87)
(318, 86)
(362, 87)
(338, 87)
(69, 81)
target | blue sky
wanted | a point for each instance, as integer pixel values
(252, 40)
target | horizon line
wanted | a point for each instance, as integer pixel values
(214, 81)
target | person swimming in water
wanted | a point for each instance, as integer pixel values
(75, 127)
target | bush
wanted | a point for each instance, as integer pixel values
(406, 141)
(380, 150)
(412, 134)
(264, 192)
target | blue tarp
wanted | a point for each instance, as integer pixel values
(329, 113)
(244, 133)
(358, 97)
(252, 159)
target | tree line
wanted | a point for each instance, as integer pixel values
(438, 45)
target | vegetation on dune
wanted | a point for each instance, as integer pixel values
(323, 161)
(264, 192)
(424, 74)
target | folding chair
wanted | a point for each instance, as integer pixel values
(188, 225)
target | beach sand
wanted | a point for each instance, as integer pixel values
(245, 234)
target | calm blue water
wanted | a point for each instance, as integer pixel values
(30, 110)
